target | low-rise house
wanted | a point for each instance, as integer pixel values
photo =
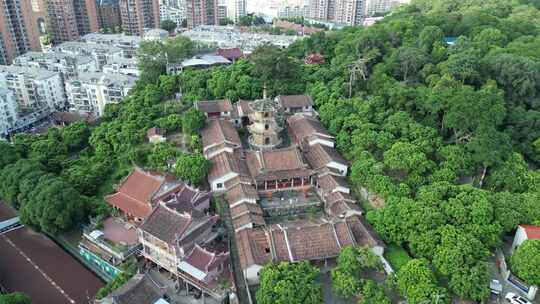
(133, 199)
(125, 66)
(197, 62)
(204, 265)
(219, 136)
(156, 135)
(222, 108)
(183, 197)
(246, 215)
(308, 131)
(321, 157)
(297, 241)
(241, 193)
(339, 204)
(525, 232)
(140, 289)
(225, 170)
(296, 104)
(168, 236)
(277, 170)
(231, 54)
(329, 183)
(177, 241)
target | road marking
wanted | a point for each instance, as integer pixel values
(49, 279)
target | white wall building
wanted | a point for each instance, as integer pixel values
(173, 13)
(123, 66)
(91, 92)
(67, 64)
(34, 88)
(102, 54)
(8, 111)
(128, 44)
(236, 9)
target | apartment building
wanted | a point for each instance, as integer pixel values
(34, 88)
(293, 11)
(128, 44)
(70, 19)
(8, 111)
(67, 65)
(177, 14)
(343, 12)
(101, 54)
(108, 14)
(18, 31)
(202, 12)
(91, 92)
(138, 15)
(379, 7)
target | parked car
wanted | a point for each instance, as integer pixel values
(515, 299)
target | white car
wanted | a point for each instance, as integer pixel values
(515, 299)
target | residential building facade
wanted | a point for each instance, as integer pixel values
(34, 88)
(8, 111)
(18, 31)
(70, 19)
(109, 14)
(138, 15)
(67, 65)
(128, 44)
(344, 12)
(236, 9)
(201, 12)
(89, 93)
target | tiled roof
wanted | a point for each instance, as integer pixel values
(244, 208)
(295, 101)
(225, 163)
(241, 191)
(341, 208)
(532, 231)
(231, 54)
(318, 156)
(333, 197)
(219, 131)
(166, 224)
(277, 164)
(140, 289)
(214, 106)
(254, 219)
(205, 260)
(244, 109)
(362, 231)
(302, 127)
(135, 194)
(253, 247)
(329, 182)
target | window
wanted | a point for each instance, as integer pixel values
(266, 114)
(219, 185)
(267, 250)
(267, 141)
(266, 126)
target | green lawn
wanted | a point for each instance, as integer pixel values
(396, 256)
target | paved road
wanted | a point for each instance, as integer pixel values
(30, 262)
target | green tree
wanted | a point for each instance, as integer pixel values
(289, 283)
(168, 25)
(8, 154)
(192, 168)
(161, 155)
(15, 298)
(525, 261)
(192, 121)
(53, 206)
(76, 135)
(416, 282)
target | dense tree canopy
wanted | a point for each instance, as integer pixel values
(289, 283)
(525, 261)
(15, 298)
